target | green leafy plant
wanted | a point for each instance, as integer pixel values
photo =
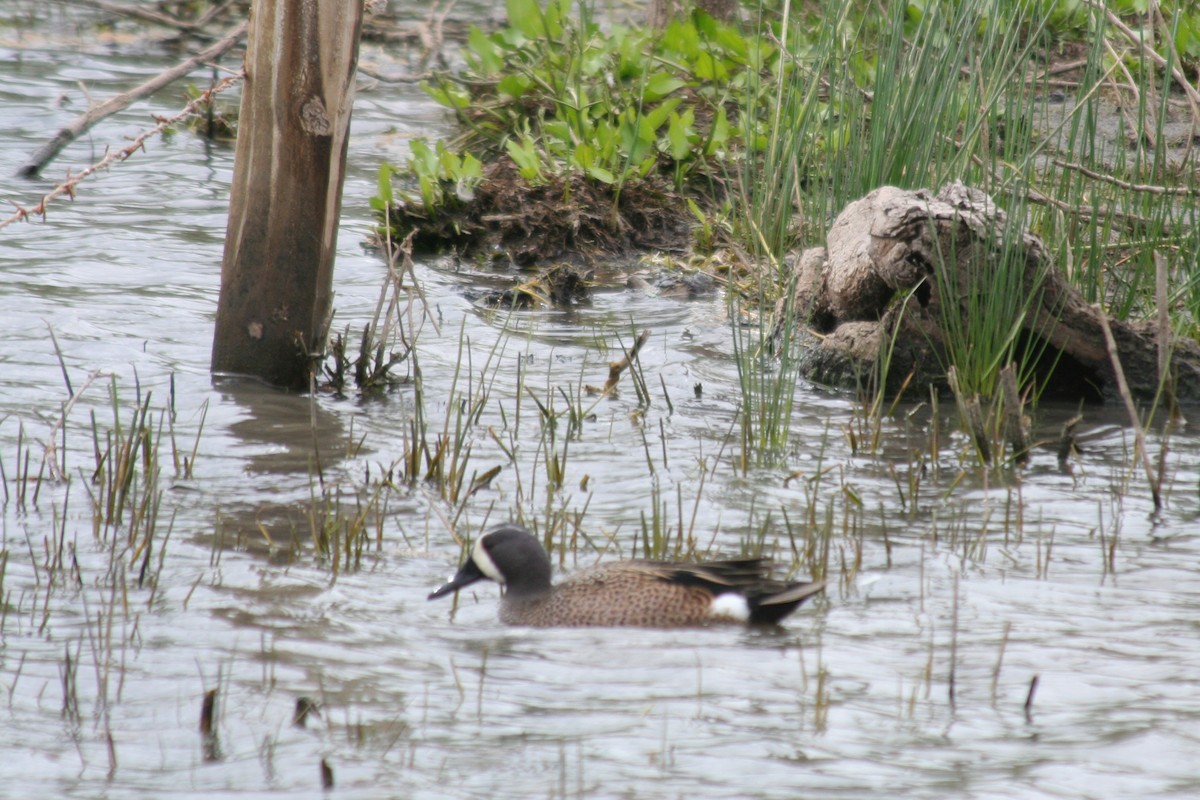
(559, 95)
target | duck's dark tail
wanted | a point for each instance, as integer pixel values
(769, 608)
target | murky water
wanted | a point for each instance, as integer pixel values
(910, 680)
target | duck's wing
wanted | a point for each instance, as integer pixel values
(716, 577)
(770, 606)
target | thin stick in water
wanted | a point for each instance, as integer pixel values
(1033, 684)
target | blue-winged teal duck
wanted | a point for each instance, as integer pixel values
(641, 593)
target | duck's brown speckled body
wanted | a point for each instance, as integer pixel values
(633, 593)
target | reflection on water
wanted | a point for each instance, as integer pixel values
(109, 646)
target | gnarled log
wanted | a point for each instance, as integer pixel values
(872, 293)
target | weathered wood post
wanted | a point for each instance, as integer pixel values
(277, 273)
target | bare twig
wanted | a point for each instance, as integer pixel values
(1033, 684)
(1145, 188)
(1059, 69)
(615, 368)
(67, 187)
(85, 121)
(134, 12)
(1132, 220)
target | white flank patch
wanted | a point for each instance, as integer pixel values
(728, 606)
(482, 560)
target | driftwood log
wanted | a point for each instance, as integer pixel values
(875, 284)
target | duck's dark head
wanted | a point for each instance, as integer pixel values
(509, 555)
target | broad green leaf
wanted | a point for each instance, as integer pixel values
(654, 118)
(526, 17)
(487, 54)
(583, 156)
(552, 20)
(718, 135)
(605, 136)
(428, 192)
(422, 160)
(680, 36)
(562, 8)
(601, 174)
(447, 94)
(524, 154)
(677, 138)
(661, 84)
(385, 183)
(557, 129)
(472, 167)
(514, 85)
(633, 146)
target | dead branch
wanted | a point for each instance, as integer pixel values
(67, 187)
(1130, 219)
(85, 121)
(50, 451)
(1144, 188)
(1059, 69)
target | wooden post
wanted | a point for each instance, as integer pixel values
(277, 273)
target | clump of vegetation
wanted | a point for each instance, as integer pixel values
(755, 137)
(582, 139)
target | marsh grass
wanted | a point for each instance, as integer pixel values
(933, 95)
(439, 460)
(345, 521)
(125, 479)
(90, 595)
(129, 443)
(767, 384)
(915, 123)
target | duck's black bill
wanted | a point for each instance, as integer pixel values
(464, 577)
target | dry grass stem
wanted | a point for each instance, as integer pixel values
(615, 368)
(1139, 431)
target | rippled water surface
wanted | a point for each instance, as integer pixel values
(951, 589)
